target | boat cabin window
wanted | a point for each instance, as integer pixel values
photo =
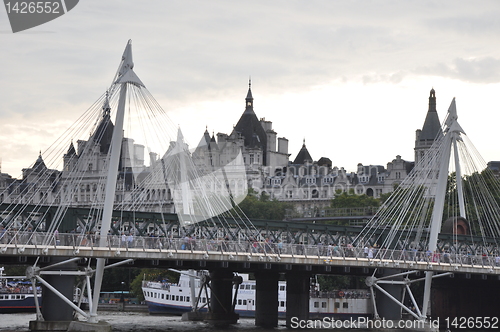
(337, 305)
(247, 286)
(345, 305)
(254, 287)
(323, 304)
(187, 298)
(162, 296)
(282, 288)
(244, 302)
(316, 304)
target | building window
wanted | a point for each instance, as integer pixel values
(328, 180)
(251, 159)
(310, 180)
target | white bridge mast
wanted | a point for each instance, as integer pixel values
(452, 135)
(125, 76)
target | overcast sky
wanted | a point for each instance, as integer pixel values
(352, 78)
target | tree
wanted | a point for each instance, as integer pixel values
(328, 283)
(113, 278)
(150, 275)
(344, 199)
(256, 206)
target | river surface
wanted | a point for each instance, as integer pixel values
(142, 322)
(137, 321)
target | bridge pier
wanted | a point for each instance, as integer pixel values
(56, 313)
(465, 296)
(221, 298)
(297, 296)
(386, 307)
(266, 298)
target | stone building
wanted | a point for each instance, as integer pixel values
(310, 185)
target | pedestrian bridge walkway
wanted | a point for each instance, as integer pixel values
(257, 252)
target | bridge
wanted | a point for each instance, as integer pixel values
(42, 228)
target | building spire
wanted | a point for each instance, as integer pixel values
(432, 101)
(249, 98)
(106, 108)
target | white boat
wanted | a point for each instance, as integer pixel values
(163, 297)
(17, 296)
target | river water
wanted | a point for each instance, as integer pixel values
(142, 322)
(137, 322)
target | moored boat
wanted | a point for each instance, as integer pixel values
(164, 297)
(17, 296)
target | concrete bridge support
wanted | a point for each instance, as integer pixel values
(465, 295)
(386, 307)
(266, 298)
(221, 298)
(56, 313)
(297, 296)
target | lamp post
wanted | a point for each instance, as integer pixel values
(122, 299)
(121, 305)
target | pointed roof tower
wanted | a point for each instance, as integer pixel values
(207, 141)
(431, 130)
(104, 131)
(39, 163)
(250, 127)
(303, 156)
(432, 125)
(71, 150)
(249, 98)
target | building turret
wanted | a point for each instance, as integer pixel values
(303, 157)
(250, 128)
(431, 129)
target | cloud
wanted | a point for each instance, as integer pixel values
(196, 56)
(483, 70)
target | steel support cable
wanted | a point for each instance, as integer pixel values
(44, 177)
(225, 203)
(375, 224)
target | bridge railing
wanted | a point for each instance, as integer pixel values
(223, 245)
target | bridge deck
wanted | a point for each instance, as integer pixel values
(178, 249)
